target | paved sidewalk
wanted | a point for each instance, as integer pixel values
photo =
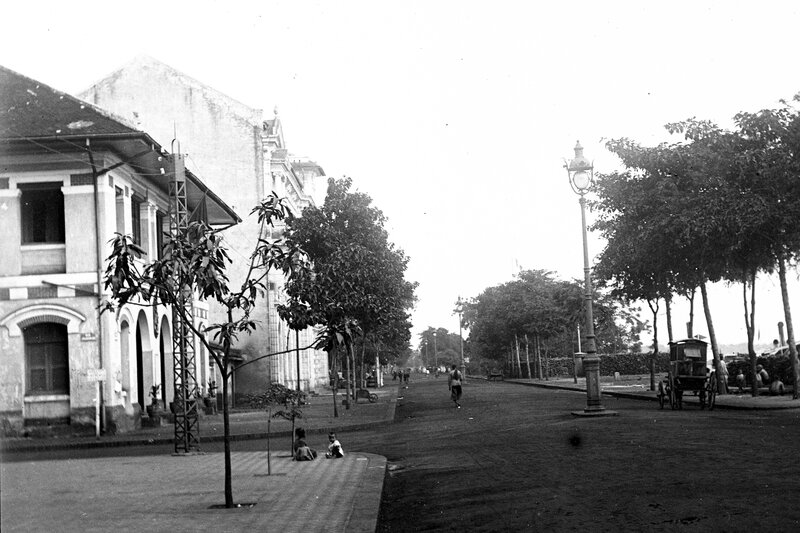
(168, 493)
(643, 392)
(177, 493)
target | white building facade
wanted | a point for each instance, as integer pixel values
(71, 176)
(244, 157)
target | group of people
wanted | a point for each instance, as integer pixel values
(762, 380)
(402, 374)
(302, 452)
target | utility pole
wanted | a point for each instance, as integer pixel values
(187, 425)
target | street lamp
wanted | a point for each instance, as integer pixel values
(459, 310)
(581, 178)
(435, 358)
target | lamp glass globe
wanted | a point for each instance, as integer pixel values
(581, 180)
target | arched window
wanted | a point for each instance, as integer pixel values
(46, 358)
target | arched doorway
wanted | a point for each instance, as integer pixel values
(165, 348)
(144, 361)
(125, 359)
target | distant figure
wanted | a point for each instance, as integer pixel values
(762, 376)
(335, 450)
(406, 375)
(723, 370)
(740, 381)
(454, 384)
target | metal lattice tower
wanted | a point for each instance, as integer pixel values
(187, 425)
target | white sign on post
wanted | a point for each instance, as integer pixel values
(96, 374)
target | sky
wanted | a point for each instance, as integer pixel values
(454, 116)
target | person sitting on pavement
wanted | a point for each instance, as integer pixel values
(776, 387)
(302, 452)
(335, 450)
(740, 381)
(762, 377)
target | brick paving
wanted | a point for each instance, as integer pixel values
(176, 493)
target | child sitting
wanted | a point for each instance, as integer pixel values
(301, 450)
(335, 450)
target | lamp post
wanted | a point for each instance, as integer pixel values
(459, 310)
(581, 178)
(435, 355)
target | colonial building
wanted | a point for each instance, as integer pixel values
(244, 157)
(71, 176)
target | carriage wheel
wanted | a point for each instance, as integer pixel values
(712, 393)
(373, 398)
(673, 398)
(702, 398)
(661, 395)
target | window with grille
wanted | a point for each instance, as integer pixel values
(136, 219)
(47, 359)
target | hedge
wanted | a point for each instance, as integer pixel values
(625, 363)
(631, 364)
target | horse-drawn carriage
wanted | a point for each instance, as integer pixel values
(688, 372)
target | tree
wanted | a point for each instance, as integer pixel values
(358, 275)
(195, 262)
(546, 311)
(770, 161)
(719, 206)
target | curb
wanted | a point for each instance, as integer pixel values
(653, 398)
(35, 445)
(363, 516)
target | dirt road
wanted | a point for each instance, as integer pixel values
(515, 459)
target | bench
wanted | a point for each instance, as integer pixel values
(495, 375)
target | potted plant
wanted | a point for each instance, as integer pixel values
(154, 407)
(210, 400)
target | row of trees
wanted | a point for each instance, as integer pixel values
(439, 347)
(720, 205)
(539, 314)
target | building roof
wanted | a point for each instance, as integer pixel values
(35, 117)
(30, 109)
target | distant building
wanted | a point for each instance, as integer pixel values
(71, 175)
(244, 157)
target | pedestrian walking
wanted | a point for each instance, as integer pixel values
(454, 384)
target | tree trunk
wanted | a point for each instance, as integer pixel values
(690, 324)
(292, 439)
(349, 380)
(538, 354)
(721, 385)
(653, 309)
(335, 355)
(528, 357)
(353, 373)
(226, 424)
(749, 321)
(668, 305)
(787, 311)
(297, 350)
(519, 364)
